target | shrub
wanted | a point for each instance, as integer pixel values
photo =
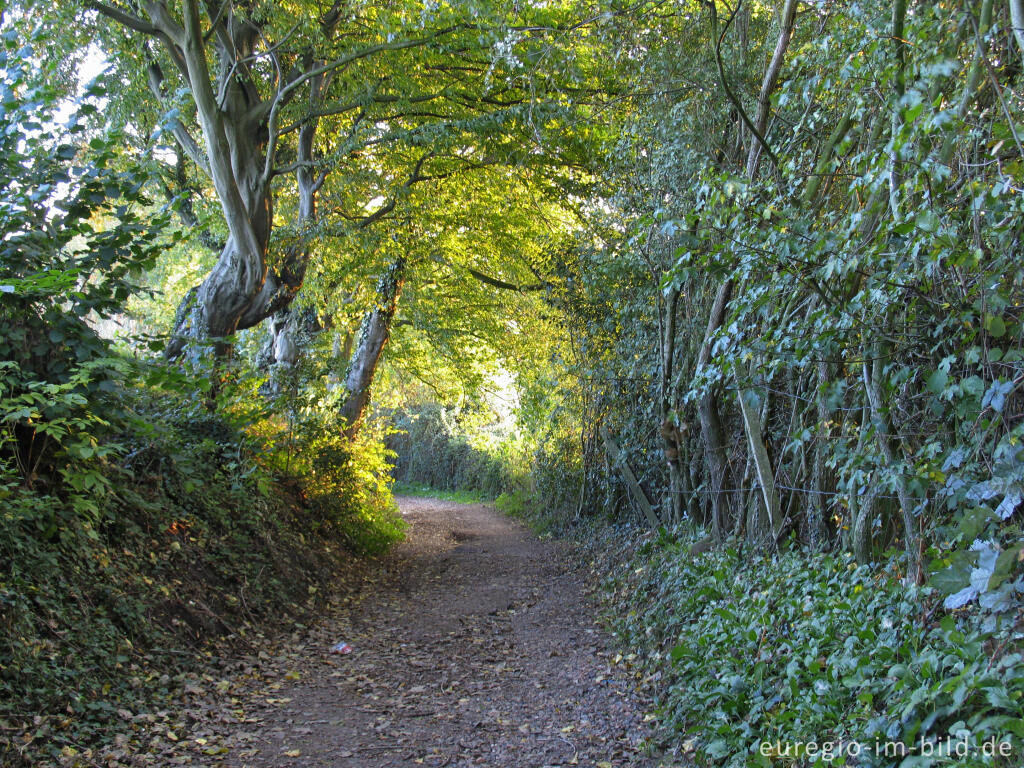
(809, 647)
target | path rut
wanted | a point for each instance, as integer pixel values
(475, 645)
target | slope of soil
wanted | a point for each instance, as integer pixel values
(473, 643)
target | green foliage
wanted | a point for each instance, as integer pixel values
(879, 255)
(190, 541)
(453, 450)
(346, 484)
(515, 504)
(76, 229)
(543, 519)
(810, 648)
(348, 490)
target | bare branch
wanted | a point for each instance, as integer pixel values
(496, 283)
(123, 17)
(185, 140)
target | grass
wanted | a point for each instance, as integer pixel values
(458, 496)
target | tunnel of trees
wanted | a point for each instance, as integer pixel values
(742, 279)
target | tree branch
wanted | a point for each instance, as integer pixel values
(182, 136)
(496, 283)
(216, 20)
(770, 77)
(728, 91)
(165, 24)
(122, 17)
(396, 45)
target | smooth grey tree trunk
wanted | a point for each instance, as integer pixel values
(373, 337)
(1017, 22)
(758, 450)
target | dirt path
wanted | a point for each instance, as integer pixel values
(475, 646)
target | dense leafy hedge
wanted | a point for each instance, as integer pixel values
(806, 647)
(433, 448)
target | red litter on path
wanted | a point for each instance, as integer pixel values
(341, 648)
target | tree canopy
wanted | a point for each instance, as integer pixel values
(741, 271)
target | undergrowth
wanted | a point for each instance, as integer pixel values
(809, 659)
(190, 541)
(168, 528)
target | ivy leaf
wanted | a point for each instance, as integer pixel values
(927, 221)
(995, 326)
(937, 382)
(1008, 505)
(1004, 566)
(952, 579)
(995, 396)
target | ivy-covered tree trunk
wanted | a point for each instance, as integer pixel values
(711, 424)
(822, 480)
(892, 452)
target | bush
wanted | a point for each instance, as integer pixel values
(346, 483)
(434, 447)
(809, 647)
(192, 542)
(348, 487)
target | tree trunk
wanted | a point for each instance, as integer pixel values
(671, 434)
(862, 508)
(373, 336)
(976, 72)
(280, 288)
(711, 427)
(759, 452)
(822, 482)
(711, 424)
(237, 152)
(879, 414)
(1017, 22)
(771, 75)
(236, 294)
(619, 461)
